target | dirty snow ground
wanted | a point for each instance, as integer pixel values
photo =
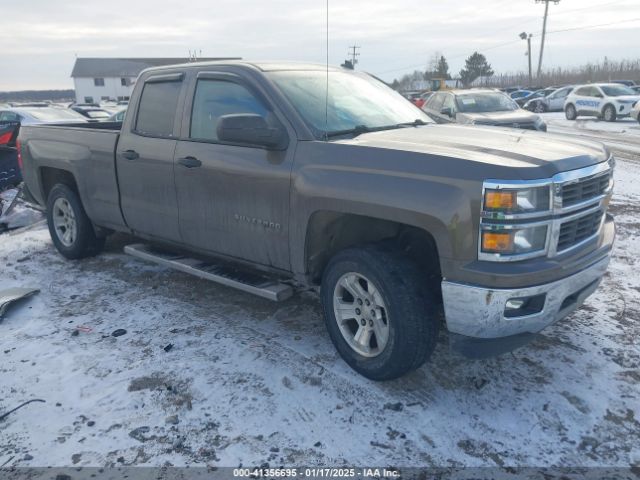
(206, 375)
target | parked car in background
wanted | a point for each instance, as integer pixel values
(38, 115)
(425, 96)
(636, 88)
(95, 114)
(603, 100)
(510, 89)
(626, 83)
(415, 98)
(553, 102)
(533, 95)
(520, 94)
(10, 174)
(481, 107)
(118, 116)
(635, 113)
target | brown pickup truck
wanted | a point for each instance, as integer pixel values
(269, 177)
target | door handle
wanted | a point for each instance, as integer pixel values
(189, 162)
(130, 154)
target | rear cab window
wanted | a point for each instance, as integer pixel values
(158, 105)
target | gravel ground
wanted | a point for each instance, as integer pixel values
(139, 365)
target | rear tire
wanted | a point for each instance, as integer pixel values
(379, 312)
(570, 112)
(69, 226)
(609, 113)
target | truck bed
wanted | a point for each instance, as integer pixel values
(87, 151)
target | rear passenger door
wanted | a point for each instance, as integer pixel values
(233, 198)
(144, 157)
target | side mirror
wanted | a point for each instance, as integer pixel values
(251, 129)
(447, 111)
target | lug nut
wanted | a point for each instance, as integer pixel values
(359, 301)
(370, 323)
(367, 302)
(363, 322)
(358, 311)
(373, 313)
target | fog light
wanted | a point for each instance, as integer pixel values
(522, 306)
(514, 304)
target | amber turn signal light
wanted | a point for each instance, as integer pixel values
(499, 200)
(497, 242)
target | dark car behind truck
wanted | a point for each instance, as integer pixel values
(253, 176)
(10, 174)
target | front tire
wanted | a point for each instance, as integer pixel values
(379, 313)
(609, 113)
(69, 226)
(570, 112)
(540, 108)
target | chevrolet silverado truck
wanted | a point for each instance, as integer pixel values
(273, 177)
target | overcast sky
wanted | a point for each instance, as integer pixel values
(40, 38)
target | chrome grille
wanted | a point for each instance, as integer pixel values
(579, 229)
(584, 189)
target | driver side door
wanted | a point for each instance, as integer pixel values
(233, 199)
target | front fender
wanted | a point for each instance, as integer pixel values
(379, 189)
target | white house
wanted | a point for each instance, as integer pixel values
(101, 79)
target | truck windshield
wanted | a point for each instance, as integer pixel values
(355, 102)
(485, 102)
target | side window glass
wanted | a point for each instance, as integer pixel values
(157, 110)
(8, 117)
(438, 100)
(584, 91)
(215, 98)
(449, 103)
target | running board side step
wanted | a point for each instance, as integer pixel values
(220, 272)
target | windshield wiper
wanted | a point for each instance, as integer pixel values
(360, 129)
(357, 130)
(416, 123)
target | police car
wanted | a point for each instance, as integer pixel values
(603, 100)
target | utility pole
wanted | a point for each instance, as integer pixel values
(526, 37)
(354, 54)
(544, 30)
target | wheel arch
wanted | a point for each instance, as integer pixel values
(51, 176)
(329, 232)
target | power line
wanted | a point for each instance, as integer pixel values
(595, 26)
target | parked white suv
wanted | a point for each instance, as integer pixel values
(603, 100)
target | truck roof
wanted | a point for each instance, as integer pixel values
(264, 66)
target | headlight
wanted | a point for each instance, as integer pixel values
(500, 202)
(513, 241)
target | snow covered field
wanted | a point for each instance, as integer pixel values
(622, 136)
(206, 375)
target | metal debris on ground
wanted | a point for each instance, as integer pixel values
(10, 295)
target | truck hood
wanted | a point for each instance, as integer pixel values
(499, 118)
(506, 147)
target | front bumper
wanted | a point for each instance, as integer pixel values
(474, 311)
